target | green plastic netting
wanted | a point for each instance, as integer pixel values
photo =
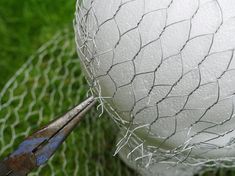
(47, 85)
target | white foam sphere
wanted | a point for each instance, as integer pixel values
(167, 69)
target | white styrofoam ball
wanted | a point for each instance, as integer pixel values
(166, 63)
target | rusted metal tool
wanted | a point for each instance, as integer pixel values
(38, 148)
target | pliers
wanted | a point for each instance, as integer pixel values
(38, 148)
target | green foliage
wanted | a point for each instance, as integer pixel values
(47, 86)
(25, 25)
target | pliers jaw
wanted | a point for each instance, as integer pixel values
(19, 165)
(38, 148)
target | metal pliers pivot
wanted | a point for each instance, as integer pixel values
(38, 148)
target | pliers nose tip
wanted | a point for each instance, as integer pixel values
(60, 129)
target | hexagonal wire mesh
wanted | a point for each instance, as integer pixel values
(105, 57)
(50, 83)
(47, 85)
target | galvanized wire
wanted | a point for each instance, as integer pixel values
(47, 85)
(102, 40)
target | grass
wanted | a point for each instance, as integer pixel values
(25, 26)
(46, 89)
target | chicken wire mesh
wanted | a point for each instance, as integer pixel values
(47, 85)
(112, 37)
